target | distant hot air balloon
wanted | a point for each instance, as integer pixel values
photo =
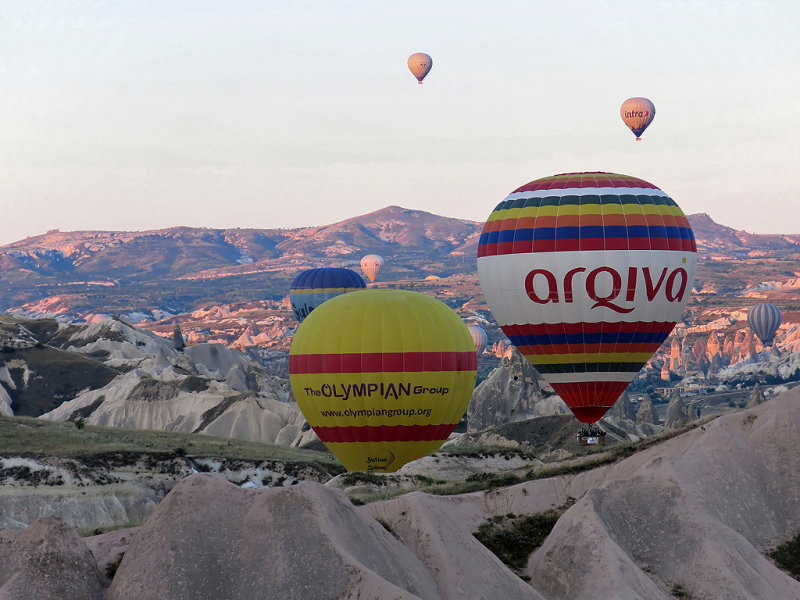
(382, 376)
(764, 319)
(479, 337)
(420, 64)
(314, 286)
(587, 274)
(371, 265)
(637, 114)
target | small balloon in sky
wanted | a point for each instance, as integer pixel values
(420, 65)
(371, 264)
(637, 114)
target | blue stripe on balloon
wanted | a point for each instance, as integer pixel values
(650, 337)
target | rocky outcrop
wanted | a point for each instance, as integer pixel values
(756, 397)
(677, 415)
(510, 393)
(646, 412)
(292, 543)
(623, 408)
(47, 561)
(693, 513)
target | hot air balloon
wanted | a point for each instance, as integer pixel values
(764, 319)
(587, 274)
(637, 114)
(382, 376)
(314, 286)
(479, 337)
(371, 265)
(420, 64)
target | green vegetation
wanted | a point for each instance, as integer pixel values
(513, 538)
(33, 437)
(678, 591)
(787, 556)
(488, 481)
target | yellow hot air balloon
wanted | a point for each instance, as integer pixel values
(637, 114)
(420, 64)
(371, 264)
(382, 376)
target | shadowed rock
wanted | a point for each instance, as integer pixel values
(47, 561)
(646, 413)
(210, 540)
(756, 397)
(676, 416)
(510, 393)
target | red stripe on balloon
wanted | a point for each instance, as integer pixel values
(590, 400)
(383, 362)
(584, 180)
(619, 243)
(385, 433)
(566, 349)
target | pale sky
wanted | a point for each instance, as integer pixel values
(142, 115)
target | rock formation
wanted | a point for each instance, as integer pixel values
(677, 415)
(47, 561)
(623, 408)
(510, 393)
(646, 413)
(756, 397)
(679, 515)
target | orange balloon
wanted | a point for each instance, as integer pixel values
(420, 65)
(637, 114)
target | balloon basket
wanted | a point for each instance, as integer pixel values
(590, 434)
(638, 139)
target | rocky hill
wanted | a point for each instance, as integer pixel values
(692, 517)
(110, 373)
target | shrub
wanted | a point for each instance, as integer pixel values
(787, 556)
(513, 539)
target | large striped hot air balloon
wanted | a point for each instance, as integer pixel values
(314, 286)
(382, 376)
(587, 274)
(764, 319)
(420, 65)
(637, 114)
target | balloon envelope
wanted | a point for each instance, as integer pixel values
(637, 114)
(420, 65)
(371, 264)
(382, 376)
(764, 319)
(587, 274)
(314, 286)
(479, 337)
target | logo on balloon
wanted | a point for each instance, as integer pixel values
(381, 462)
(542, 286)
